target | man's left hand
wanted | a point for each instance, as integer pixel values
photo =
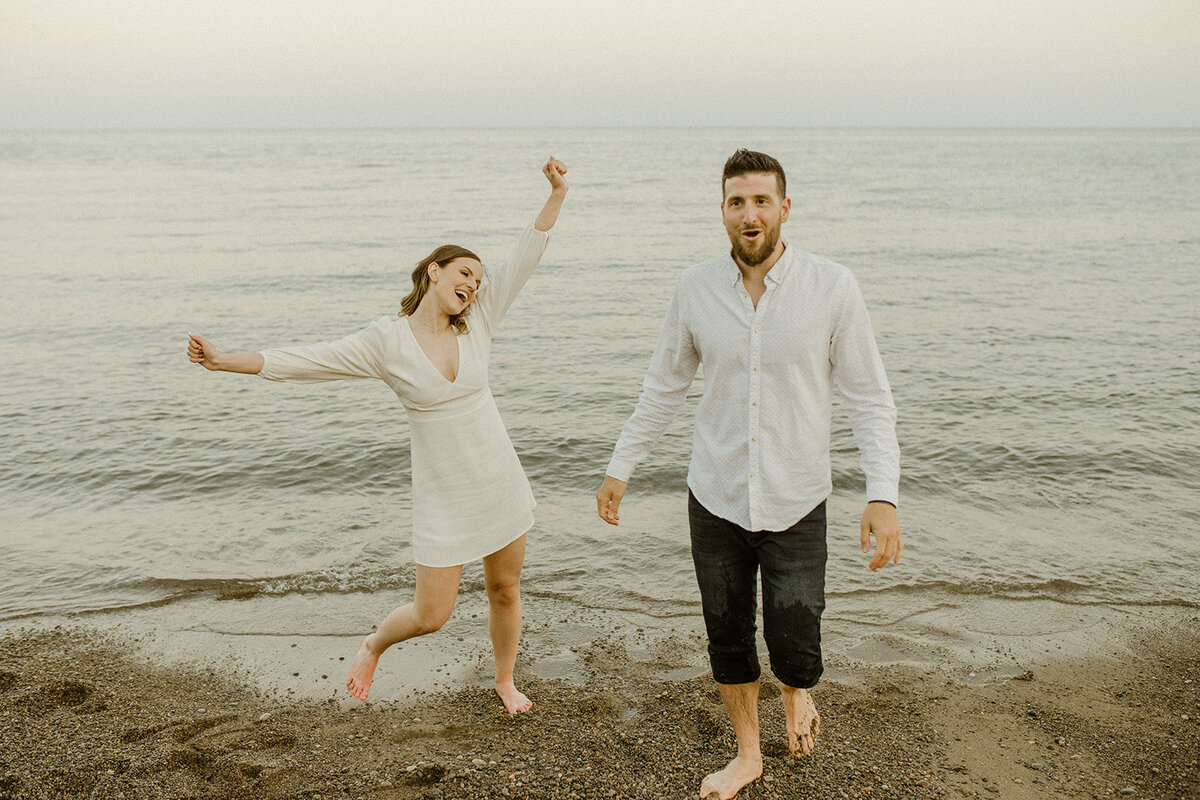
(880, 519)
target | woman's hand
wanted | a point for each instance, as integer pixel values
(554, 171)
(203, 352)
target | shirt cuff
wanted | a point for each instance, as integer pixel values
(886, 491)
(620, 468)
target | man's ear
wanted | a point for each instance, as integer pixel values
(786, 208)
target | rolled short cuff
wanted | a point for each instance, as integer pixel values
(734, 667)
(798, 676)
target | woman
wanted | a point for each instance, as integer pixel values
(471, 498)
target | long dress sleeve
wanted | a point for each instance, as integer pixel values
(504, 282)
(359, 355)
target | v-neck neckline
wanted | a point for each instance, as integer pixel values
(429, 361)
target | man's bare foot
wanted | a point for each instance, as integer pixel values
(729, 781)
(803, 721)
(362, 670)
(514, 701)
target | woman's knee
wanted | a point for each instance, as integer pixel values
(430, 620)
(504, 594)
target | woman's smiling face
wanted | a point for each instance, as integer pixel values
(456, 283)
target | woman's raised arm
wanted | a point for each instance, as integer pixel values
(554, 170)
(502, 283)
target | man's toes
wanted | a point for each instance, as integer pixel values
(801, 745)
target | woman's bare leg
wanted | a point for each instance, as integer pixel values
(502, 575)
(437, 589)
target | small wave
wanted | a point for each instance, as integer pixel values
(364, 580)
(103, 471)
(158, 592)
(326, 581)
(939, 467)
(1057, 589)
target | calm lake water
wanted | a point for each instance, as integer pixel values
(1035, 295)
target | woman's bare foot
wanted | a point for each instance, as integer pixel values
(803, 721)
(514, 701)
(729, 781)
(362, 670)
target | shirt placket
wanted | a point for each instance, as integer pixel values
(754, 409)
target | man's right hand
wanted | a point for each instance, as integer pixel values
(608, 499)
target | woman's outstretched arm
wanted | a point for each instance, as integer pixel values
(554, 170)
(359, 355)
(203, 352)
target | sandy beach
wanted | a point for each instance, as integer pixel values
(89, 713)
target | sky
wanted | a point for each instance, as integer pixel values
(136, 64)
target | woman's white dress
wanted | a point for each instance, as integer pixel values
(470, 494)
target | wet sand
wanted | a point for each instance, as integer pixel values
(87, 713)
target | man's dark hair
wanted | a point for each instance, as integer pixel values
(744, 161)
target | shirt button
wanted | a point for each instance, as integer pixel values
(754, 404)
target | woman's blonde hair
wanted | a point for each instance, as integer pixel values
(420, 278)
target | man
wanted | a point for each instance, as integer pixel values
(775, 329)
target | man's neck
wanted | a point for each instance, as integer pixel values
(754, 278)
(758, 272)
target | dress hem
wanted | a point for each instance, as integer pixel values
(527, 529)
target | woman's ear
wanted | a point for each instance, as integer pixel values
(433, 270)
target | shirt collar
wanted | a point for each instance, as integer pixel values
(778, 272)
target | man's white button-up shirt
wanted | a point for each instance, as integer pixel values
(760, 453)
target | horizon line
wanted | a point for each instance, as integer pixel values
(381, 128)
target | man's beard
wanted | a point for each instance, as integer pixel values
(762, 249)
